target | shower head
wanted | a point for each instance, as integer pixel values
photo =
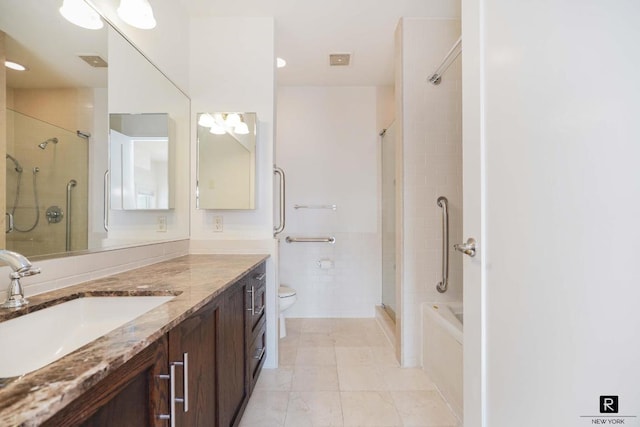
(15, 163)
(44, 144)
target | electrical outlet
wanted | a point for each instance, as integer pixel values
(162, 224)
(217, 224)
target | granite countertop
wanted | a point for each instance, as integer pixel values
(195, 280)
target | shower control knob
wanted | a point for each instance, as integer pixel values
(468, 248)
(54, 214)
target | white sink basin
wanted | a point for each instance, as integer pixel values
(34, 340)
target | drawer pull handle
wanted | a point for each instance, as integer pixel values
(259, 311)
(252, 291)
(185, 382)
(259, 353)
(172, 407)
(260, 276)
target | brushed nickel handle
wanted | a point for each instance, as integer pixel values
(277, 230)
(259, 353)
(260, 276)
(252, 291)
(468, 248)
(185, 382)
(169, 416)
(443, 203)
(259, 311)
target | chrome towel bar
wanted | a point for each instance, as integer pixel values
(332, 207)
(290, 239)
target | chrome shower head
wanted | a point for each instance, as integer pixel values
(44, 144)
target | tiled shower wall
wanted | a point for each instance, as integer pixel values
(328, 146)
(431, 167)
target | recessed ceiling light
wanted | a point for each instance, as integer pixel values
(15, 66)
(281, 63)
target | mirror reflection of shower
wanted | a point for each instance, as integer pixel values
(44, 144)
(16, 200)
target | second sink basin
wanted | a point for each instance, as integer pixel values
(34, 340)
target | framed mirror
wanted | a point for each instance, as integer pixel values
(226, 161)
(55, 136)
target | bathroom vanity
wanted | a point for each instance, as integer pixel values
(192, 361)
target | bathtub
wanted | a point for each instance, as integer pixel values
(442, 327)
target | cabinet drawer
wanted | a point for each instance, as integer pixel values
(258, 352)
(256, 297)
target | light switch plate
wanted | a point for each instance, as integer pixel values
(162, 224)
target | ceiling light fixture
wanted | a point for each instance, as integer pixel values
(81, 14)
(14, 66)
(281, 63)
(137, 13)
(241, 129)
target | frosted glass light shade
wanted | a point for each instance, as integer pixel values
(206, 120)
(81, 14)
(241, 128)
(137, 13)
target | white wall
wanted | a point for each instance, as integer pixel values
(328, 148)
(431, 166)
(232, 63)
(560, 151)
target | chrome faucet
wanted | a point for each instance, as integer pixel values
(21, 268)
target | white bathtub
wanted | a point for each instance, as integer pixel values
(442, 349)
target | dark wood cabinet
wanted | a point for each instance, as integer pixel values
(221, 348)
(192, 350)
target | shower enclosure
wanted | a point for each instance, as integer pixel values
(388, 149)
(41, 160)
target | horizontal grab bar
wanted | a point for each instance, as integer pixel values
(290, 239)
(332, 207)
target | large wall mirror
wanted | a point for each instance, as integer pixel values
(56, 137)
(226, 161)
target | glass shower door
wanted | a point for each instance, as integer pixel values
(389, 221)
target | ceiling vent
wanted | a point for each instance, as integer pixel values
(339, 59)
(94, 61)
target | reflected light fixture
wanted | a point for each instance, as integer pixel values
(281, 63)
(137, 13)
(81, 14)
(217, 129)
(241, 128)
(206, 120)
(14, 66)
(233, 119)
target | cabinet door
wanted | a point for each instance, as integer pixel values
(132, 396)
(232, 355)
(195, 340)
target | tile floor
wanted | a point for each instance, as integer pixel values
(343, 372)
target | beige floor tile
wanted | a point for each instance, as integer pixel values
(369, 408)
(315, 378)
(423, 409)
(294, 324)
(318, 326)
(316, 340)
(354, 356)
(360, 378)
(314, 409)
(266, 409)
(406, 379)
(290, 340)
(385, 356)
(287, 356)
(275, 379)
(316, 356)
(349, 339)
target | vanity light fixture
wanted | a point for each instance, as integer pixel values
(81, 14)
(217, 129)
(15, 66)
(241, 129)
(137, 13)
(206, 120)
(280, 62)
(233, 120)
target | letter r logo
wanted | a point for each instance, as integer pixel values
(608, 404)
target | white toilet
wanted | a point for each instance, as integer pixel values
(286, 298)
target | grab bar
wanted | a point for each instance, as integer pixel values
(106, 201)
(277, 230)
(442, 286)
(290, 239)
(10, 222)
(72, 183)
(332, 207)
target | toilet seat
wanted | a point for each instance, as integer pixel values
(285, 291)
